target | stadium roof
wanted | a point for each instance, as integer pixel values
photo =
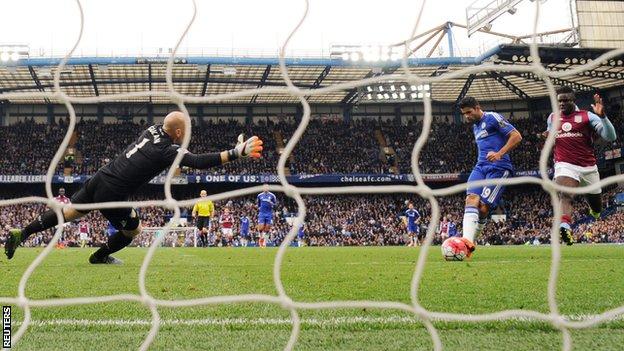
(200, 76)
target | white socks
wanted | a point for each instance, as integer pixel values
(471, 221)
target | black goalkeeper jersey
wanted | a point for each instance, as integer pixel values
(153, 152)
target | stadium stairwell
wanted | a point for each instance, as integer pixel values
(387, 153)
(71, 155)
(279, 141)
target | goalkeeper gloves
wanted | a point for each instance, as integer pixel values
(251, 147)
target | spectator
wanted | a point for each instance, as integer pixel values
(351, 220)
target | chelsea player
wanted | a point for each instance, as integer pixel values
(413, 221)
(495, 138)
(266, 203)
(244, 230)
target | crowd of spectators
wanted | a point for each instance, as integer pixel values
(350, 220)
(99, 143)
(28, 148)
(215, 137)
(327, 146)
(606, 231)
(451, 148)
(336, 147)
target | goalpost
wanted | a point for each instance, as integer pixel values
(282, 299)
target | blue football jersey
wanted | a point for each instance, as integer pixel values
(244, 225)
(266, 202)
(452, 229)
(491, 134)
(412, 216)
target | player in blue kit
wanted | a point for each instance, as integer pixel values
(110, 229)
(266, 202)
(495, 138)
(300, 235)
(413, 225)
(452, 228)
(244, 230)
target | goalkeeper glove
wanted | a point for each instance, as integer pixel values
(251, 147)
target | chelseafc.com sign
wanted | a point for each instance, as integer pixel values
(6, 327)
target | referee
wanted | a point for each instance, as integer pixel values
(153, 152)
(202, 211)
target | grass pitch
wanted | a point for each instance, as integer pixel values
(498, 278)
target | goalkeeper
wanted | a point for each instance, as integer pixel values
(153, 152)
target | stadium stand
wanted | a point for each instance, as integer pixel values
(327, 146)
(357, 220)
(27, 148)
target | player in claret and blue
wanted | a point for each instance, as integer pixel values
(575, 163)
(266, 202)
(495, 138)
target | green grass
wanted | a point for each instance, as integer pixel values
(498, 278)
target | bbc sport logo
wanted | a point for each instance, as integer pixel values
(6, 327)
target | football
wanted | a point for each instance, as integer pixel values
(454, 249)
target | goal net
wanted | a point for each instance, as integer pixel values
(170, 236)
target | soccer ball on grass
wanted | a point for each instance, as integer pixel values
(454, 249)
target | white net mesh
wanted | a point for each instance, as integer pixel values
(282, 299)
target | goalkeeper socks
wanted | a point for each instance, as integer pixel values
(115, 243)
(471, 219)
(44, 221)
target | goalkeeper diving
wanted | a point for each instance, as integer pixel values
(154, 151)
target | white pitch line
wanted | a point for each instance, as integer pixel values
(337, 321)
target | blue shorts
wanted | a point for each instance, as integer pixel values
(490, 194)
(265, 218)
(244, 233)
(412, 229)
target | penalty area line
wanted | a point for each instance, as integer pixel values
(335, 321)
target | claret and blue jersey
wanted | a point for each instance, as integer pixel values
(491, 134)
